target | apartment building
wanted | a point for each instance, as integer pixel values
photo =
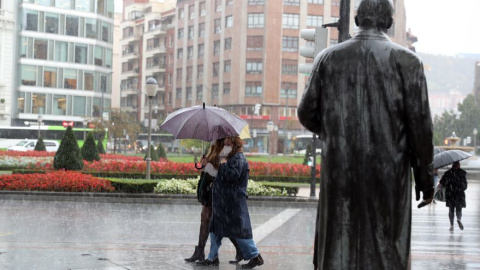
(236, 54)
(143, 42)
(64, 61)
(7, 44)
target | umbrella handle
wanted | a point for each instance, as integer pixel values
(201, 167)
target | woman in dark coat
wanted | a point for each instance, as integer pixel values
(455, 183)
(229, 204)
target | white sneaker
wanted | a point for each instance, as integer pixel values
(460, 225)
(451, 228)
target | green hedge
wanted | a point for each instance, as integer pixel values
(133, 186)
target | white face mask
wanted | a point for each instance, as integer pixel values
(225, 151)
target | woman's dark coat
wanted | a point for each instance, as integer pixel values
(229, 199)
(367, 100)
(455, 183)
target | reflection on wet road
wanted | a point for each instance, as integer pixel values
(93, 235)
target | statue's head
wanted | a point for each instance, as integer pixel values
(376, 14)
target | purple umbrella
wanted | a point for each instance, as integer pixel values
(204, 123)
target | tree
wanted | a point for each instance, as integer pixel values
(40, 146)
(68, 156)
(161, 151)
(153, 154)
(192, 144)
(120, 125)
(100, 148)
(89, 149)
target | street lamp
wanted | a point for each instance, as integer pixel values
(39, 120)
(151, 87)
(270, 127)
(475, 132)
(85, 122)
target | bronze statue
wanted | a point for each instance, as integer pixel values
(367, 100)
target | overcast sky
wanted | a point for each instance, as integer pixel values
(444, 26)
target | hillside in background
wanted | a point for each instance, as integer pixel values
(447, 73)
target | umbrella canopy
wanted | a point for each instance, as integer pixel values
(204, 123)
(437, 150)
(448, 157)
(245, 134)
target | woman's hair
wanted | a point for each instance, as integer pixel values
(237, 145)
(456, 165)
(213, 152)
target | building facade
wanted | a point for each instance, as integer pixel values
(143, 44)
(236, 54)
(64, 61)
(7, 70)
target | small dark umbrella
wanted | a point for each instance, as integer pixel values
(448, 157)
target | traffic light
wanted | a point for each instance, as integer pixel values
(310, 161)
(318, 36)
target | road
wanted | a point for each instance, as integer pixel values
(87, 234)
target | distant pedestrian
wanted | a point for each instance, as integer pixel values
(435, 182)
(455, 182)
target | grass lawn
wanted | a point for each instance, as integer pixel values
(274, 159)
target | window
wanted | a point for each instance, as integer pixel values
(288, 90)
(199, 92)
(180, 13)
(38, 103)
(335, 2)
(226, 88)
(334, 19)
(228, 21)
(290, 21)
(106, 32)
(201, 48)
(59, 104)
(63, 3)
(81, 53)
(314, 21)
(127, 31)
(47, 3)
(315, 1)
(60, 51)
(199, 71)
(289, 67)
(215, 91)
(189, 93)
(51, 23)
(189, 52)
(153, 24)
(189, 74)
(179, 93)
(80, 105)
(49, 77)
(71, 26)
(228, 43)
(28, 75)
(256, 2)
(40, 49)
(291, 2)
(217, 26)
(83, 5)
(256, 20)
(290, 44)
(218, 5)
(179, 73)
(333, 42)
(201, 30)
(191, 32)
(254, 66)
(98, 56)
(180, 54)
(89, 79)
(254, 43)
(216, 69)
(253, 89)
(70, 79)
(180, 33)
(191, 12)
(227, 66)
(216, 47)
(32, 20)
(201, 11)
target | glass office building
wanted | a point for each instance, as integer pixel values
(64, 60)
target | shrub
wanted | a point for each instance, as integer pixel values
(68, 156)
(153, 154)
(40, 146)
(161, 151)
(89, 149)
(64, 181)
(100, 148)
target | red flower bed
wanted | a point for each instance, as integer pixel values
(27, 153)
(68, 181)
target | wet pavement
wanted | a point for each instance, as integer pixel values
(92, 234)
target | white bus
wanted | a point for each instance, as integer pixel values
(301, 143)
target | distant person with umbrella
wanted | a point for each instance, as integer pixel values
(229, 203)
(455, 182)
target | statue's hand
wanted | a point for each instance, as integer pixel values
(427, 197)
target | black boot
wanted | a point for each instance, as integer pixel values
(238, 258)
(198, 255)
(207, 262)
(257, 261)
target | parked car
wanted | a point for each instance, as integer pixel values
(29, 145)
